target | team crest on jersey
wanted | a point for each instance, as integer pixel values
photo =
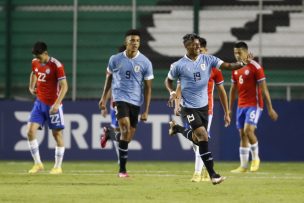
(203, 67)
(246, 72)
(36, 69)
(136, 68)
(235, 72)
(47, 71)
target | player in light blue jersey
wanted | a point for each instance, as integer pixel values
(193, 71)
(129, 75)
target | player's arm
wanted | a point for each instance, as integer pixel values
(232, 96)
(107, 87)
(104, 112)
(63, 90)
(147, 97)
(169, 87)
(236, 65)
(232, 66)
(32, 83)
(224, 101)
(271, 112)
(178, 99)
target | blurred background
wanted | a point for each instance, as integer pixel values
(83, 34)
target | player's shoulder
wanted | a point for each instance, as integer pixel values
(35, 61)
(255, 65)
(144, 58)
(56, 62)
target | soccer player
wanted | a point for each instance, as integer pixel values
(128, 73)
(249, 82)
(216, 78)
(48, 83)
(193, 70)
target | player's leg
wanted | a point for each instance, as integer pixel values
(36, 120)
(243, 153)
(198, 119)
(59, 152)
(244, 146)
(197, 165)
(56, 124)
(252, 118)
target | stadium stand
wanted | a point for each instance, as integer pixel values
(101, 27)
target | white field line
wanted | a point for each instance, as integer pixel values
(155, 173)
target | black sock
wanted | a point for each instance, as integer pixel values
(123, 155)
(206, 157)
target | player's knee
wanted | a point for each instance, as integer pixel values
(248, 131)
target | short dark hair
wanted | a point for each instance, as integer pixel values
(203, 42)
(132, 32)
(191, 37)
(241, 45)
(39, 48)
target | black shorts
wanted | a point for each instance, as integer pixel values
(196, 117)
(124, 109)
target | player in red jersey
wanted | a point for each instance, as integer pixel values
(216, 79)
(249, 82)
(48, 83)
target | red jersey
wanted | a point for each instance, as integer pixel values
(48, 76)
(216, 77)
(246, 80)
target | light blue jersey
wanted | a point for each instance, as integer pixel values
(194, 76)
(128, 77)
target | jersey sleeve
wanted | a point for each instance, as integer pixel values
(259, 74)
(216, 62)
(34, 64)
(149, 73)
(110, 65)
(172, 75)
(60, 73)
(233, 79)
(218, 76)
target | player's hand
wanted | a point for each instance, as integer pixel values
(227, 119)
(101, 104)
(144, 116)
(273, 114)
(177, 110)
(230, 113)
(33, 91)
(54, 109)
(248, 59)
(104, 112)
(172, 99)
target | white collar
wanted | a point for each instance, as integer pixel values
(125, 54)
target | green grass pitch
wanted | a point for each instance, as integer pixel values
(159, 182)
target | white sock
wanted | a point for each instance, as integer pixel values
(115, 144)
(59, 152)
(254, 149)
(34, 148)
(199, 164)
(244, 156)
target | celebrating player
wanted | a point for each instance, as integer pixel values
(216, 78)
(193, 70)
